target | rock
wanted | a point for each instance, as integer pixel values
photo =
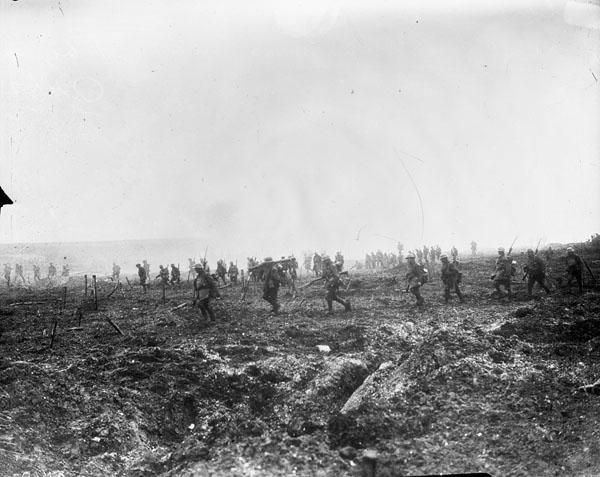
(347, 452)
(324, 349)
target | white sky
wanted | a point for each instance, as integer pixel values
(287, 126)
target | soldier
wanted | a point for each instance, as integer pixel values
(142, 275)
(116, 272)
(419, 255)
(294, 268)
(574, 269)
(19, 273)
(175, 275)
(438, 252)
(535, 271)
(273, 280)
(147, 268)
(503, 273)
(548, 254)
(233, 273)
(163, 274)
(205, 288)
(425, 253)
(7, 272)
(332, 285)
(221, 270)
(473, 248)
(400, 248)
(454, 253)
(51, 271)
(317, 264)
(36, 273)
(65, 270)
(191, 266)
(415, 277)
(339, 260)
(451, 277)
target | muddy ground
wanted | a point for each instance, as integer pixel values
(485, 386)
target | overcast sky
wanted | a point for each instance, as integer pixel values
(299, 125)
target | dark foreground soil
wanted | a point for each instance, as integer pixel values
(485, 386)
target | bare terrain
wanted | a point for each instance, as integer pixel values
(485, 386)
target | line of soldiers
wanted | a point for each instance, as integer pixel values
(275, 276)
(52, 273)
(505, 270)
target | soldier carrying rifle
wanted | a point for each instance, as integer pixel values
(535, 271)
(331, 276)
(503, 272)
(205, 288)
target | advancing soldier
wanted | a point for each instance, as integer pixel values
(233, 273)
(339, 260)
(473, 248)
(419, 256)
(116, 272)
(142, 275)
(191, 266)
(415, 277)
(273, 280)
(438, 252)
(19, 273)
(36, 274)
(400, 248)
(175, 275)
(317, 264)
(454, 253)
(163, 274)
(503, 273)
(205, 288)
(535, 271)
(51, 271)
(147, 268)
(7, 272)
(574, 269)
(451, 277)
(65, 270)
(332, 285)
(221, 270)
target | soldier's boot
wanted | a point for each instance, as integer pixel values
(461, 297)
(204, 314)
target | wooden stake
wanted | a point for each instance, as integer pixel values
(53, 333)
(95, 292)
(115, 326)
(129, 283)
(164, 295)
(64, 299)
(86, 285)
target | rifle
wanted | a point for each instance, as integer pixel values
(317, 280)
